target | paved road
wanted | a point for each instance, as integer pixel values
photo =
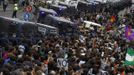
(9, 12)
(20, 13)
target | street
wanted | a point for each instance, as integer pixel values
(9, 12)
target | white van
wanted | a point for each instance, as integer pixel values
(91, 25)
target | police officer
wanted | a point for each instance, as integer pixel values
(14, 15)
(0, 2)
(5, 4)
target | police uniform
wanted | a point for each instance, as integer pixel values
(14, 15)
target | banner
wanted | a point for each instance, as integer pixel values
(62, 63)
(130, 57)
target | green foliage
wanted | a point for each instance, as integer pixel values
(41, 4)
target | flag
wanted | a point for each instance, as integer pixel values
(129, 57)
(112, 19)
(128, 33)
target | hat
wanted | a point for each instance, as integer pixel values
(15, 4)
(20, 56)
(82, 62)
(52, 72)
(50, 52)
(83, 54)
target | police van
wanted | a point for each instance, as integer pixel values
(12, 25)
(66, 27)
(43, 12)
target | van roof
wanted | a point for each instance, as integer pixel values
(21, 21)
(61, 19)
(92, 23)
(47, 10)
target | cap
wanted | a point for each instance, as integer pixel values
(15, 4)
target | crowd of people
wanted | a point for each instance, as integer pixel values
(100, 51)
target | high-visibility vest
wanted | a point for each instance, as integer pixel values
(15, 8)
